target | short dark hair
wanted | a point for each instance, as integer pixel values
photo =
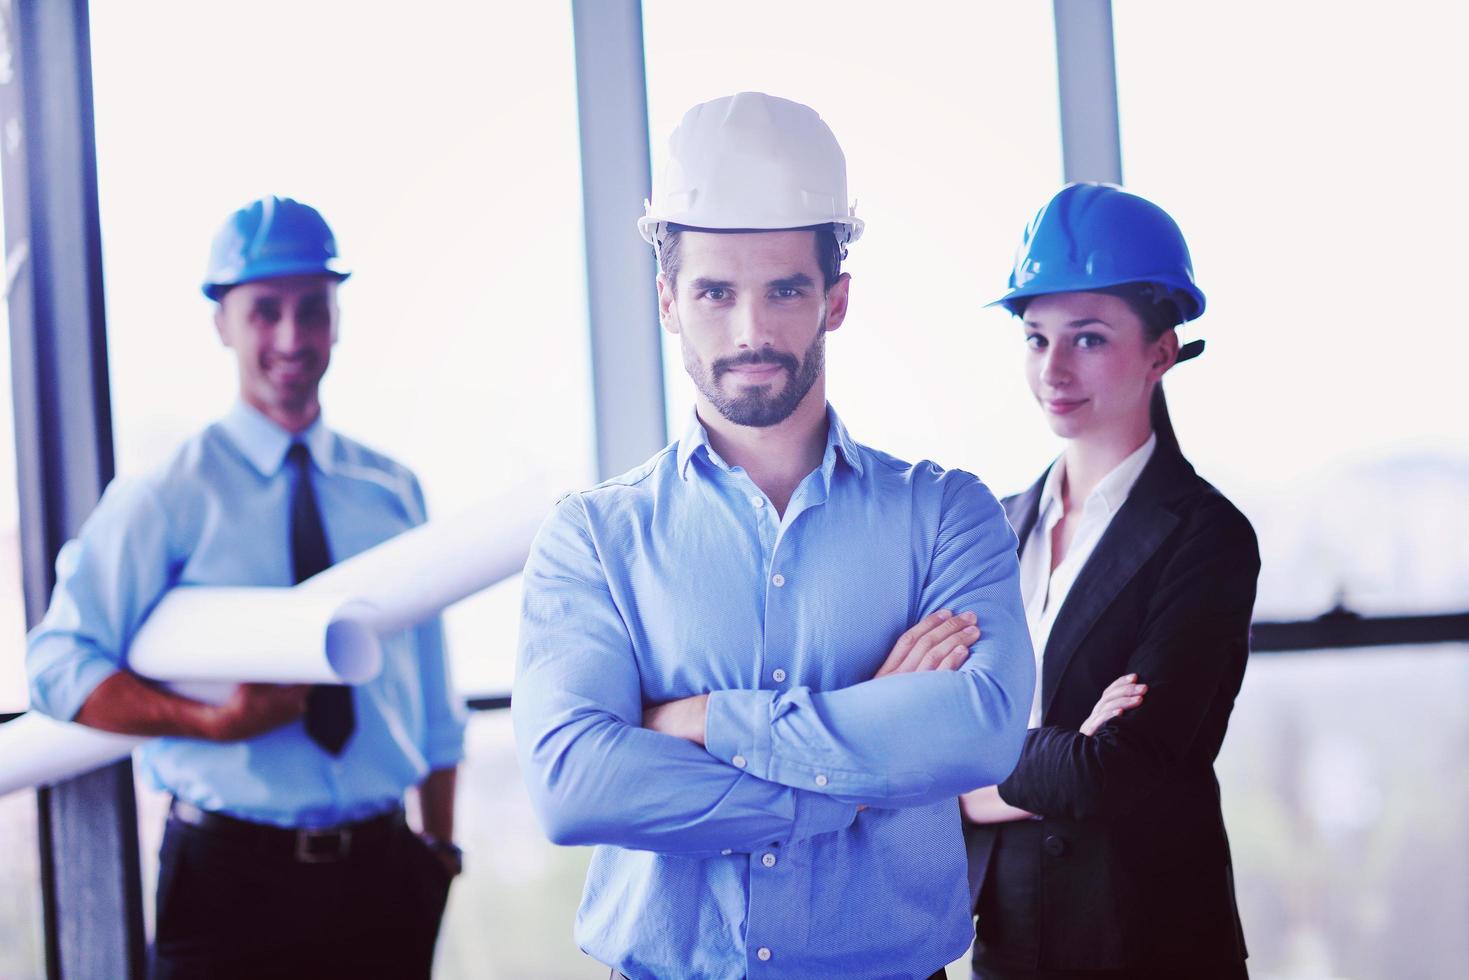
(829, 252)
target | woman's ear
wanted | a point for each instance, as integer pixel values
(1165, 354)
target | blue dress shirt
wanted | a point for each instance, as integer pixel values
(218, 513)
(749, 857)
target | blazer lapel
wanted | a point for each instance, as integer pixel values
(1143, 523)
(1021, 509)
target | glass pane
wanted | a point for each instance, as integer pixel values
(13, 694)
(442, 147)
(22, 950)
(1346, 823)
(1318, 189)
(947, 115)
(463, 351)
(511, 913)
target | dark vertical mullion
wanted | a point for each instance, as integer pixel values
(88, 826)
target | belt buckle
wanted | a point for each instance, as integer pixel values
(308, 853)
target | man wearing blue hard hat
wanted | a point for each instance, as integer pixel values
(286, 852)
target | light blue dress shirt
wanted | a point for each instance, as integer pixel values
(218, 513)
(750, 858)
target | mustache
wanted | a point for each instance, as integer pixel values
(749, 358)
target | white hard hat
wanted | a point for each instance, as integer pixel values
(752, 161)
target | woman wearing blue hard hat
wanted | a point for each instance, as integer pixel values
(1104, 853)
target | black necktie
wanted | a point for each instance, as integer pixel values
(329, 716)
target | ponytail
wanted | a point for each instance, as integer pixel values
(1162, 423)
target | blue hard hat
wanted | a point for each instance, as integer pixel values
(268, 239)
(1091, 236)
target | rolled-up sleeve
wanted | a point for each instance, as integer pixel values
(107, 579)
(595, 775)
(907, 739)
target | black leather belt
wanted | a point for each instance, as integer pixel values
(309, 845)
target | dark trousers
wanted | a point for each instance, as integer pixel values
(227, 911)
(940, 975)
(1233, 971)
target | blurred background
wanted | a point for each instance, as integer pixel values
(1306, 149)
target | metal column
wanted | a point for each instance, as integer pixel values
(88, 826)
(1091, 143)
(627, 353)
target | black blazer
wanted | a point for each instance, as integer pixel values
(1128, 866)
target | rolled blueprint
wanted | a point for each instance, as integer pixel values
(419, 573)
(35, 750)
(397, 584)
(271, 635)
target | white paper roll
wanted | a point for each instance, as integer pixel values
(36, 750)
(274, 636)
(397, 584)
(420, 573)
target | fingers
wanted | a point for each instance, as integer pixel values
(934, 646)
(1122, 695)
(910, 638)
(1126, 680)
(955, 658)
(942, 644)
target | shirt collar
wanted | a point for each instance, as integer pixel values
(1111, 490)
(264, 443)
(695, 442)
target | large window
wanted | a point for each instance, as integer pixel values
(1309, 154)
(441, 144)
(21, 949)
(947, 114)
(463, 350)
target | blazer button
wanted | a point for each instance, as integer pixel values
(1055, 846)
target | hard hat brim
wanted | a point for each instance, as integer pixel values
(1194, 294)
(278, 270)
(849, 227)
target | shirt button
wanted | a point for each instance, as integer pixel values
(778, 579)
(757, 502)
(821, 780)
(727, 851)
(778, 674)
(763, 953)
(768, 860)
(739, 762)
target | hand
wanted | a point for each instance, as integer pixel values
(940, 641)
(1121, 695)
(254, 709)
(985, 806)
(683, 718)
(449, 855)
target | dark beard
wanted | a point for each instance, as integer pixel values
(755, 406)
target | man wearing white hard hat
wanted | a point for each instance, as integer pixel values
(720, 682)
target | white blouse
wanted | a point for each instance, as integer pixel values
(1044, 590)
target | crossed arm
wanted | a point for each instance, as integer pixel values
(1191, 646)
(984, 805)
(601, 767)
(939, 641)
